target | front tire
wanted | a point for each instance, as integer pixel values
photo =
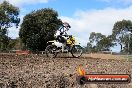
(76, 51)
(51, 51)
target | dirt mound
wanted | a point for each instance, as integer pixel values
(41, 72)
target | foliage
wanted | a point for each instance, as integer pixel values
(89, 47)
(127, 44)
(95, 37)
(38, 27)
(8, 17)
(119, 35)
(14, 44)
(99, 42)
(3, 42)
(120, 31)
(105, 44)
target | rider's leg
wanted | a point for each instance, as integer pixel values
(58, 38)
(62, 40)
(63, 44)
(64, 47)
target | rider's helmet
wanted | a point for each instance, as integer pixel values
(66, 25)
(65, 28)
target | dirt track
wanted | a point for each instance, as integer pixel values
(41, 72)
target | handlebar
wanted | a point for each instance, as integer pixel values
(67, 35)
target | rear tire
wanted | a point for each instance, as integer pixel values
(50, 51)
(76, 51)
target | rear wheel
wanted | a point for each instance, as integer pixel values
(51, 51)
(76, 51)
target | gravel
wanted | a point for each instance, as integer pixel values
(35, 71)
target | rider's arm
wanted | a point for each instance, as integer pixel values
(57, 33)
(66, 35)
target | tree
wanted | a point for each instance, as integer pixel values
(14, 44)
(94, 39)
(88, 47)
(127, 43)
(38, 27)
(8, 17)
(105, 44)
(119, 32)
(99, 42)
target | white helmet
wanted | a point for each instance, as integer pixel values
(65, 24)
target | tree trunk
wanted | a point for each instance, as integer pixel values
(121, 47)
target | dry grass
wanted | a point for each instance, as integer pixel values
(104, 56)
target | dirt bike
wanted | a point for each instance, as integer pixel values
(54, 47)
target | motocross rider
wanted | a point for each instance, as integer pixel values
(62, 33)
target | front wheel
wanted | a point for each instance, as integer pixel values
(76, 51)
(51, 51)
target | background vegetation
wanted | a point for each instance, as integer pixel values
(39, 26)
